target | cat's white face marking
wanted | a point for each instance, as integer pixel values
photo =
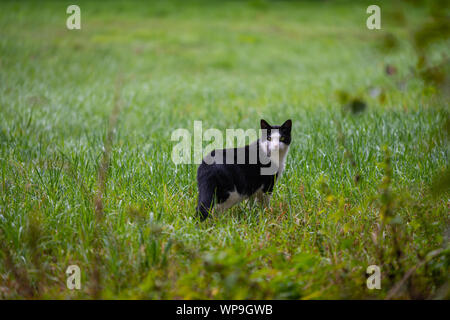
(274, 144)
(275, 149)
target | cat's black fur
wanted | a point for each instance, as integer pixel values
(216, 181)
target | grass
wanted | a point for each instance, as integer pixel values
(86, 175)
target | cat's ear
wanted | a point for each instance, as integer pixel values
(287, 124)
(265, 124)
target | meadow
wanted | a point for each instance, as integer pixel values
(87, 178)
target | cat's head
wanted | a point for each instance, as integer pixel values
(276, 138)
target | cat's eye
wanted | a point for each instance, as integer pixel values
(269, 138)
(282, 139)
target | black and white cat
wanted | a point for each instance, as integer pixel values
(228, 176)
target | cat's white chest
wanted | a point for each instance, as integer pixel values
(282, 163)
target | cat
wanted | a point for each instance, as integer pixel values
(227, 176)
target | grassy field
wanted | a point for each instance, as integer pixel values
(86, 175)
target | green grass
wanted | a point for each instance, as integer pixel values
(163, 65)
